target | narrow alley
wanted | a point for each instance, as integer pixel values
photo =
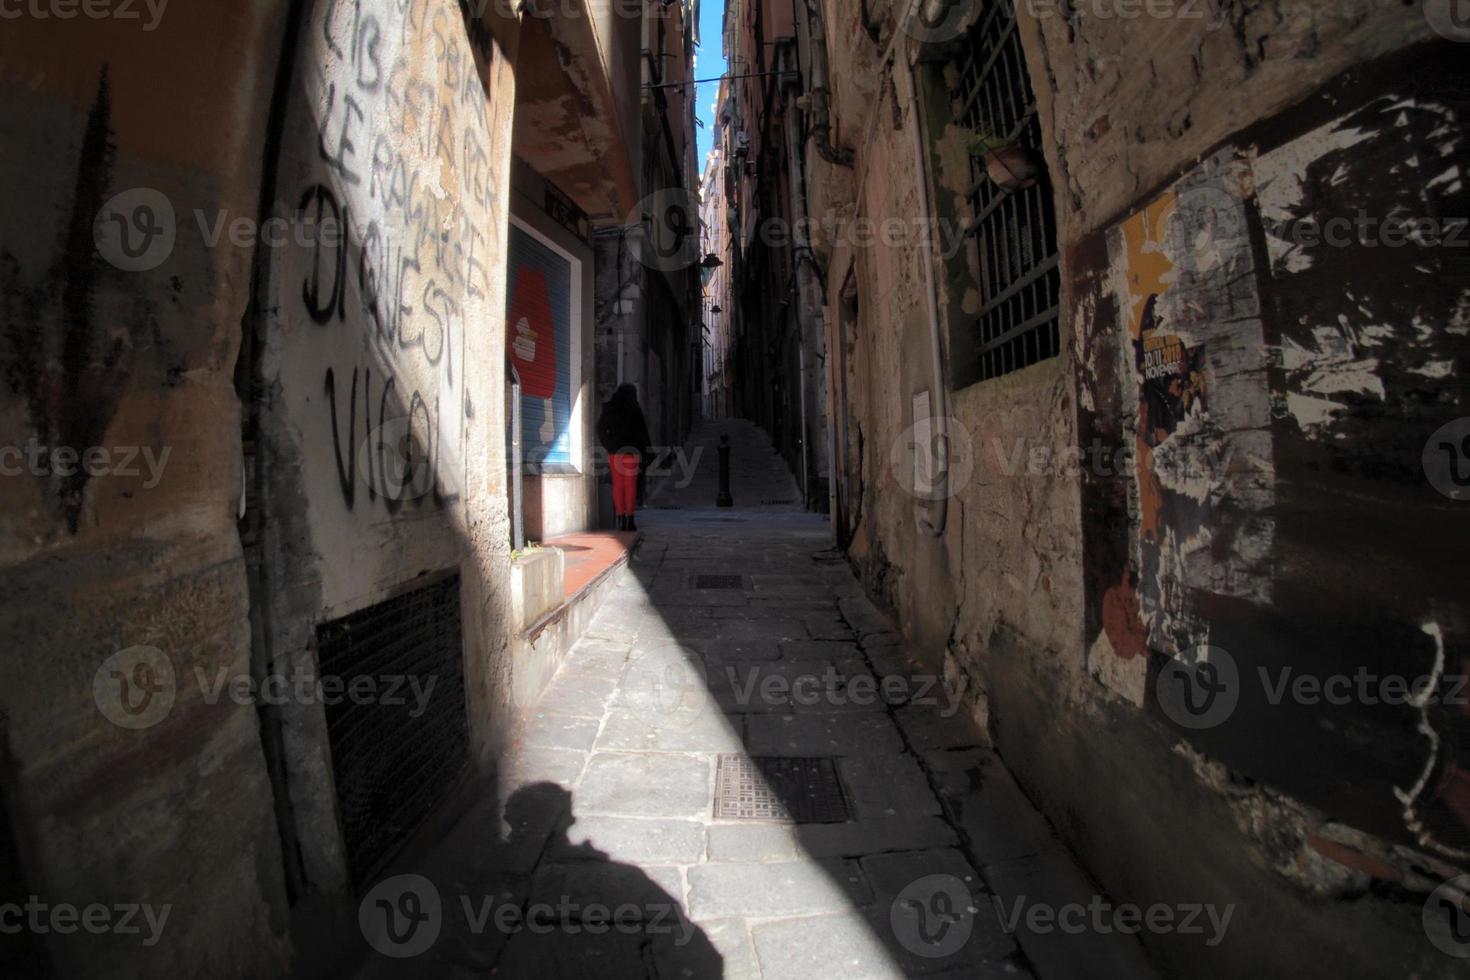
(734, 489)
(741, 638)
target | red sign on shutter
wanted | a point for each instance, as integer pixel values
(531, 333)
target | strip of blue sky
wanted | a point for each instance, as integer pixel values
(709, 62)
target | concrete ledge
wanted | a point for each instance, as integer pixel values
(542, 646)
(536, 579)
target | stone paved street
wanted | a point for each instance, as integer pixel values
(611, 789)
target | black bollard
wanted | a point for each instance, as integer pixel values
(724, 499)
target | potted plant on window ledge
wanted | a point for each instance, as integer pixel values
(1009, 165)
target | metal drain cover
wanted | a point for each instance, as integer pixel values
(783, 790)
(718, 582)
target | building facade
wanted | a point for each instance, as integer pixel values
(719, 310)
(775, 278)
(1100, 388)
(648, 292)
(269, 270)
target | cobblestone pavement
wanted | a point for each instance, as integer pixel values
(740, 632)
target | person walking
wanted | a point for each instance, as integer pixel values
(623, 433)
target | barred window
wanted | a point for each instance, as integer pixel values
(1015, 231)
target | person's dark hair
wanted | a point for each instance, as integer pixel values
(622, 427)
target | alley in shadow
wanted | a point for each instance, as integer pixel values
(885, 840)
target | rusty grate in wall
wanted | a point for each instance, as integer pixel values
(397, 746)
(1015, 231)
(718, 582)
(779, 789)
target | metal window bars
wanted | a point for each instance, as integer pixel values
(1015, 230)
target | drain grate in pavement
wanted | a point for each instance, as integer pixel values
(777, 789)
(718, 582)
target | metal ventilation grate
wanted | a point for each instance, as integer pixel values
(1015, 231)
(395, 751)
(718, 582)
(782, 790)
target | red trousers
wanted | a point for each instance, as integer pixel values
(624, 468)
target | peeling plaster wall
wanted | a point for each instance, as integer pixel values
(1278, 521)
(1226, 454)
(1127, 101)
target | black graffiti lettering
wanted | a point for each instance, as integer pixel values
(403, 313)
(476, 171)
(444, 136)
(367, 414)
(311, 289)
(394, 502)
(370, 262)
(475, 273)
(442, 309)
(369, 68)
(407, 243)
(329, 35)
(446, 52)
(418, 471)
(346, 475)
(337, 157)
(440, 497)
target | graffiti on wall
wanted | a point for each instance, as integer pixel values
(395, 194)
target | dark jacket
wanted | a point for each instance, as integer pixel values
(621, 427)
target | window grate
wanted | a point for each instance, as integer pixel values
(1015, 231)
(397, 743)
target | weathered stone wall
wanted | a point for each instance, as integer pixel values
(1312, 383)
(145, 333)
(124, 343)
